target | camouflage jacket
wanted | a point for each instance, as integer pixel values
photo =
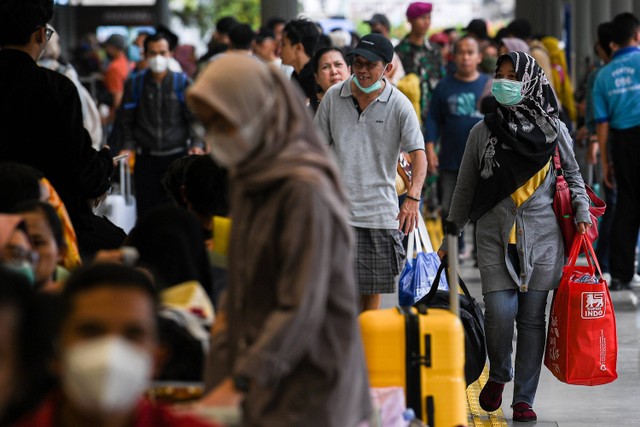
(426, 62)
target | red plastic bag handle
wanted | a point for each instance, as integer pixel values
(580, 241)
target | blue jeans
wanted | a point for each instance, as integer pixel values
(527, 310)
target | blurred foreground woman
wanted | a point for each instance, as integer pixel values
(286, 342)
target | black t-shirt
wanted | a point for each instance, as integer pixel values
(307, 82)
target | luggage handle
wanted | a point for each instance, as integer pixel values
(125, 177)
(413, 359)
(452, 248)
(453, 275)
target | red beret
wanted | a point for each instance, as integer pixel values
(417, 9)
(440, 38)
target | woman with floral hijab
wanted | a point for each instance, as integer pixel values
(506, 184)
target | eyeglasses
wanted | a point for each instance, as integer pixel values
(48, 32)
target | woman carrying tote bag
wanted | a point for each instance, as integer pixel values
(506, 184)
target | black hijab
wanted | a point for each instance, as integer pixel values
(522, 137)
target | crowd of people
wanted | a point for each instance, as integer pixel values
(295, 136)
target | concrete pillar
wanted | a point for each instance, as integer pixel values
(521, 9)
(287, 9)
(571, 34)
(554, 15)
(525, 10)
(619, 6)
(537, 13)
(539, 25)
(541, 17)
(164, 13)
(600, 12)
(584, 36)
(545, 16)
(64, 21)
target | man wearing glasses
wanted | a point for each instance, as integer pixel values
(366, 121)
(41, 122)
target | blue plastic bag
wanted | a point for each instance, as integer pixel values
(420, 269)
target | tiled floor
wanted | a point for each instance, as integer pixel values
(562, 405)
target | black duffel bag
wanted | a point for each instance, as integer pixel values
(472, 321)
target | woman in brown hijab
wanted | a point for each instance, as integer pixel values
(286, 343)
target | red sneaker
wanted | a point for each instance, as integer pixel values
(491, 396)
(523, 413)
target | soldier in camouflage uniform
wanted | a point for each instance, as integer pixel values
(419, 56)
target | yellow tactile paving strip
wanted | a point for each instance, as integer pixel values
(477, 416)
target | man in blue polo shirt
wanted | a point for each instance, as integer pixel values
(366, 121)
(616, 97)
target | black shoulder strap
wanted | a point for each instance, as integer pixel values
(556, 162)
(434, 286)
(179, 85)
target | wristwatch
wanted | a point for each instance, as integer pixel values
(241, 383)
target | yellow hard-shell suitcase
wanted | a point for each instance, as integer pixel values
(433, 376)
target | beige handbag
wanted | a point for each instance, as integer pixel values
(403, 174)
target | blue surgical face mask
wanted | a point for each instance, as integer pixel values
(134, 53)
(24, 268)
(507, 92)
(376, 86)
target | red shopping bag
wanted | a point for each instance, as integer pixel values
(582, 346)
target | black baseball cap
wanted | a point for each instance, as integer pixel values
(379, 18)
(374, 47)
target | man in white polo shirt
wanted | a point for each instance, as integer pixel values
(367, 121)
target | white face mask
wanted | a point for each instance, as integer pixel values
(230, 150)
(158, 64)
(105, 375)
